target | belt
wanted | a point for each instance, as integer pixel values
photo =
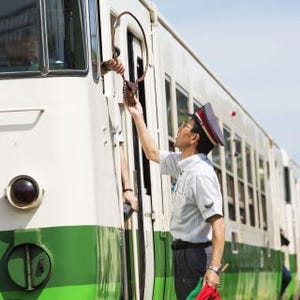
(180, 244)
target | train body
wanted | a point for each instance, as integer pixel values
(62, 230)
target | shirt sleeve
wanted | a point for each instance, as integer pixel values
(169, 163)
(208, 195)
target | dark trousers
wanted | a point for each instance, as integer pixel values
(286, 278)
(190, 264)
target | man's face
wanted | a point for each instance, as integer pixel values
(185, 134)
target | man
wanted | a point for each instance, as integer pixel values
(128, 192)
(286, 274)
(197, 224)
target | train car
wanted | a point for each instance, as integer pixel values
(288, 213)
(61, 213)
(63, 234)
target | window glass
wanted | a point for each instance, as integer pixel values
(182, 105)
(264, 212)
(169, 108)
(21, 38)
(239, 157)
(248, 164)
(216, 156)
(261, 171)
(94, 36)
(65, 34)
(241, 195)
(287, 186)
(258, 209)
(20, 33)
(251, 206)
(228, 149)
(230, 196)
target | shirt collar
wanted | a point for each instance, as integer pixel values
(188, 162)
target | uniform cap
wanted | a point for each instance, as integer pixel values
(206, 118)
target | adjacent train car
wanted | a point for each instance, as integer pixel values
(62, 229)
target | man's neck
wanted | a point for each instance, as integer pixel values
(187, 152)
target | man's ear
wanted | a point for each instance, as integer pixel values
(195, 137)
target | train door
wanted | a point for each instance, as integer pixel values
(139, 240)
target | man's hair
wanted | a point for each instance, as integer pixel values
(204, 145)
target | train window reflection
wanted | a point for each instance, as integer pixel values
(65, 34)
(230, 197)
(249, 164)
(251, 206)
(19, 35)
(94, 36)
(169, 108)
(228, 149)
(241, 196)
(182, 104)
(21, 39)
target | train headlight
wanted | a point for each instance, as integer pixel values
(24, 192)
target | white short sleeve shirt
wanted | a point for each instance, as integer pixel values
(196, 196)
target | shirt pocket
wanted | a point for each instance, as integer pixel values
(179, 202)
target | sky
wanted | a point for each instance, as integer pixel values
(253, 48)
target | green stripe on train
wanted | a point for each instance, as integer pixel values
(164, 281)
(80, 292)
(253, 273)
(86, 260)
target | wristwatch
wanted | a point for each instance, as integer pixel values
(217, 270)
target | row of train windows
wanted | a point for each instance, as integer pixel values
(245, 187)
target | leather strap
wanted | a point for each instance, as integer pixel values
(116, 50)
(129, 88)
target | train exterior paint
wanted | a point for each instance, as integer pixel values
(62, 231)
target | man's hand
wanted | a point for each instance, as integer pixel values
(112, 65)
(129, 196)
(136, 110)
(211, 278)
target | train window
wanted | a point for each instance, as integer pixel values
(264, 212)
(287, 187)
(251, 202)
(256, 189)
(228, 149)
(65, 34)
(230, 197)
(251, 206)
(20, 36)
(242, 205)
(238, 154)
(37, 40)
(249, 164)
(94, 37)
(216, 156)
(182, 104)
(258, 209)
(261, 171)
(219, 175)
(239, 157)
(169, 109)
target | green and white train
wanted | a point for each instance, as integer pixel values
(62, 231)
